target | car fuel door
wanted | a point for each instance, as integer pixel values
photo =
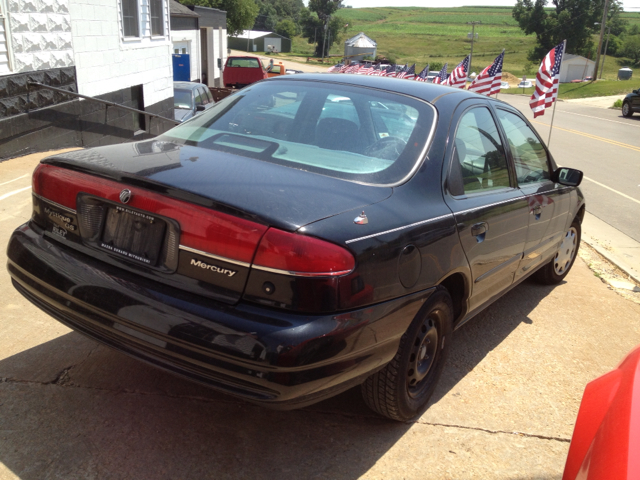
(491, 213)
(548, 203)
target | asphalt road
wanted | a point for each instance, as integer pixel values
(606, 147)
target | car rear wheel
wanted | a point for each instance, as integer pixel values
(401, 390)
(558, 268)
(626, 109)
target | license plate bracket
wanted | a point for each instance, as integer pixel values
(132, 234)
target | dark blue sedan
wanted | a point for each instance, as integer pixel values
(303, 236)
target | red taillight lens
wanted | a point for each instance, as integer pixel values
(201, 228)
(300, 255)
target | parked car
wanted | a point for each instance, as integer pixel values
(504, 85)
(607, 429)
(276, 69)
(631, 103)
(431, 76)
(189, 99)
(287, 244)
(525, 84)
(242, 71)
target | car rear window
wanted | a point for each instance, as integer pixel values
(358, 134)
(243, 62)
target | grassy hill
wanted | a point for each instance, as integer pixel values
(427, 35)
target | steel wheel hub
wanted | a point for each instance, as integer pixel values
(423, 354)
(625, 109)
(566, 252)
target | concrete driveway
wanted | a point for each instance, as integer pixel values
(505, 407)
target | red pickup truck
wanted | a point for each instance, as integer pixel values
(241, 71)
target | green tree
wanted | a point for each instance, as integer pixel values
(572, 20)
(319, 24)
(286, 28)
(631, 48)
(241, 14)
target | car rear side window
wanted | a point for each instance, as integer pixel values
(529, 155)
(354, 133)
(244, 62)
(479, 153)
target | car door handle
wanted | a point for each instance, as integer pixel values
(479, 230)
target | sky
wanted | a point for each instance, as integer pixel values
(629, 5)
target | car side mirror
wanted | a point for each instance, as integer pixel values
(569, 177)
(200, 108)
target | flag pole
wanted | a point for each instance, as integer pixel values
(551, 127)
(555, 101)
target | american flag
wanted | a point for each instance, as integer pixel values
(547, 80)
(402, 72)
(375, 70)
(336, 68)
(410, 74)
(488, 82)
(458, 77)
(344, 68)
(355, 66)
(390, 71)
(422, 76)
(365, 68)
(442, 76)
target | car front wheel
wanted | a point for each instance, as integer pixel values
(626, 109)
(558, 268)
(401, 390)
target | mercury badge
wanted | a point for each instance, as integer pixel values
(125, 195)
(361, 219)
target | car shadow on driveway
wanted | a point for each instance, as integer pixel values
(70, 408)
(483, 333)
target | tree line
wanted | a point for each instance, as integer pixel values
(576, 21)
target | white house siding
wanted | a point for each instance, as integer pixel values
(107, 62)
(192, 37)
(39, 33)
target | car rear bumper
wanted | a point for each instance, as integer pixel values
(262, 355)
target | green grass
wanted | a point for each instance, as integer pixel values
(601, 88)
(426, 35)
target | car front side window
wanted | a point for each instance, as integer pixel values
(529, 155)
(479, 153)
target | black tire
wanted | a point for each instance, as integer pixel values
(627, 111)
(401, 390)
(558, 268)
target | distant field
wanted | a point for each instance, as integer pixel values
(427, 35)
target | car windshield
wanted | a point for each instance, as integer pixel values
(356, 134)
(183, 99)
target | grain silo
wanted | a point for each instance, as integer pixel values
(360, 46)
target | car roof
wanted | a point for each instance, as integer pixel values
(188, 85)
(423, 90)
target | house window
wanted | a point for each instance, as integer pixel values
(130, 18)
(157, 17)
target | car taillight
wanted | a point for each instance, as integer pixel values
(201, 228)
(296, 254)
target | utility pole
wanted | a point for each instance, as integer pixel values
(324, 36)
(604, 57)
(604, 21)
(473, 37)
